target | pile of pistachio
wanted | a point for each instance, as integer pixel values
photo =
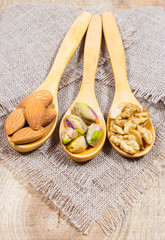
(127, 128)
(81, 130)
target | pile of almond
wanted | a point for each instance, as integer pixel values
(27, 122)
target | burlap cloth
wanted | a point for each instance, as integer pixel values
(104, 188)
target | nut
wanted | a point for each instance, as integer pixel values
(76, 123)
(129, 146)
(50, 116)
(128, 125)
(68, 135)
(116, 139)
(15, 121)
(78, 145)
(115, 112)
(146, 135)
(116, 129)
(27, 135)
(44, 95)
(94, 133)
(126, 129)
(138, 137)
(120, 122)
(85, 112)
(35, 113)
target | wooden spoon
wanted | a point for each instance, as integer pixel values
(87, 90)
(123, 93)
(65, 52)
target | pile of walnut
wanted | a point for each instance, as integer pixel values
(127, 129)
(27, 122)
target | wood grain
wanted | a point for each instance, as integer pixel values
(126, 4)
(118, 4)
(26, 215)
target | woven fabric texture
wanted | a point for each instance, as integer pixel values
(104, 188)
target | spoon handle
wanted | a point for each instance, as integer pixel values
(117, 57)
(65, 52)
(91, 57)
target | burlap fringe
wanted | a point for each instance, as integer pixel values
(138, 90)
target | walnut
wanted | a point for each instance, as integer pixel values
(129, 125)
(142, 116)
(120, 122)
(127, 130)
(130, 107)
(129, 137)
(116, 139)
(146, 135)
(129, 146)
(137, 136)
(128, 110)
(126, 114)
(115, 112)
(116, 129)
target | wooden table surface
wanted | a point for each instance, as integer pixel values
(26, 215)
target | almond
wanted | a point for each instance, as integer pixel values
(43, 95)
(50, 115)
(27, 135)
(15, 121)
(35, 113)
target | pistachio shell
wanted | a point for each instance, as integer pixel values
(85, 112)
(76, 123)
(78, 145)
(94, 133)
(68, 135)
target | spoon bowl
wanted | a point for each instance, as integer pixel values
(148, 125)
(34, 145)
(90, 152)
(87, 91)
(65, 52)
(123, 93)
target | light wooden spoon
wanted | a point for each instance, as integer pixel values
(123, 93)
(87, 90)
(65, 52)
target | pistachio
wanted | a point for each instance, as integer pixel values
(94, 133)
(78, 145)
(85, 112)
(68, 135)
(76, 123)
